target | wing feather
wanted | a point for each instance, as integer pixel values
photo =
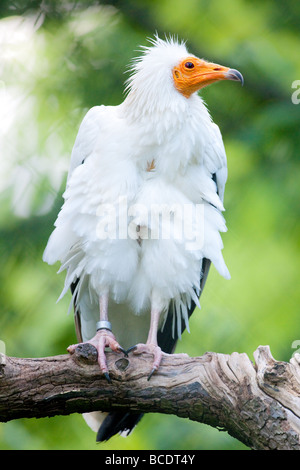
(216, 160)
(87, 136)
(221, 171)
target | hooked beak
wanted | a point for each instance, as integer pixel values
(209, 73)
(234, 74)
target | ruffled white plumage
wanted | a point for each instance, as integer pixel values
(110, 174)
(117, 144)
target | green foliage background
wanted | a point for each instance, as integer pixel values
(59, 58)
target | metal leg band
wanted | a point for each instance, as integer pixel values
(103, 325)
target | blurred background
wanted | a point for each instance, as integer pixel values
(58, 59)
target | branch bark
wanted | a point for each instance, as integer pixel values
(259, 404)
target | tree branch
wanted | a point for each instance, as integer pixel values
(259, 404)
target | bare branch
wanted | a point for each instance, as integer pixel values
(257, 403)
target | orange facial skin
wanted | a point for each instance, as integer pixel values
(192, 74)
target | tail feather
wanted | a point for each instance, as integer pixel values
(117, 422)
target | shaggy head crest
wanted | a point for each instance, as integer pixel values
(151, 73)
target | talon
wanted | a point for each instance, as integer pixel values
(123, 351)
(133, 348)
(151, 373)
(106, 375)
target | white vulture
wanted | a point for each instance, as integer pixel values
(142, 212)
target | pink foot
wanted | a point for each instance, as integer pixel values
(102, 339)
(149, 348)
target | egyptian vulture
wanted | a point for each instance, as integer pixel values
(142, 212)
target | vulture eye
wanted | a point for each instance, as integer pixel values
(189, 65)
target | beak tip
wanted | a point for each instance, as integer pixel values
(235, 75)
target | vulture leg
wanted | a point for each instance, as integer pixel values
(103, 338)
(151, 345)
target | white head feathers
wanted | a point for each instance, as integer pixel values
(151, 82)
